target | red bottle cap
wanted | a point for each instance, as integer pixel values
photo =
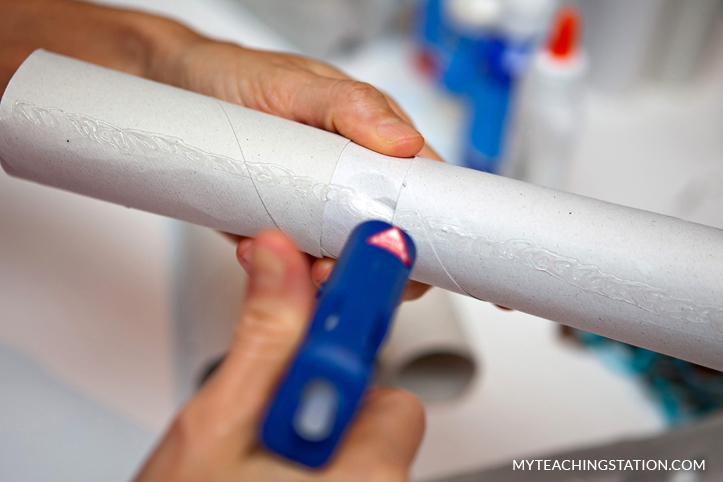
(565, 32)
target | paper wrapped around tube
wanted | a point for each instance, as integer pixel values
(646, 279)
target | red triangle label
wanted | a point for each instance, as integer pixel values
(391, 240)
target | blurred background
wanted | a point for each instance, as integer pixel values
(109, 317)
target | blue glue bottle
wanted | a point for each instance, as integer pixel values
(321, 391)
(497, 58)
(476, 24)
(492, 96)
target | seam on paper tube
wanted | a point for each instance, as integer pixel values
(243, 159)
(426, 235)
(324, 252)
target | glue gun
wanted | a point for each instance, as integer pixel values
(322, 389)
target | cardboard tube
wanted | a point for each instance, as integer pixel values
(427, 351)
(635, 276)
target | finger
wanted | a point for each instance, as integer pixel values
(414, 290)
(321, 269)
(243, 252)
(307, 92)
(357, 111)
(325, 70)
(426, 151)
(276, 309)
(397, 110)
(384, 436)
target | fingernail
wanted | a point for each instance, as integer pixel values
(267, 269)
(244, 253)
(393, 130)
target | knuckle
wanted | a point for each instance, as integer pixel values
(259, 315)
(360, 93)
(269, 321)
(261, 326)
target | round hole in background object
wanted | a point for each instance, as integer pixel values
(440, 376)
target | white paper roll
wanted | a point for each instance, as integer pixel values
(650, 280)
(427, 351)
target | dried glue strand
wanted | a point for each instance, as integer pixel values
(150, 145)
(585, 277)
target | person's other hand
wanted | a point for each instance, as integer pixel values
(297, 88)
(214, 437)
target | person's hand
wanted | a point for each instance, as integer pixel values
(296, 88)
(214, 437)
(289, 86)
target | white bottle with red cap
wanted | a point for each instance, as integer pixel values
(549, 111)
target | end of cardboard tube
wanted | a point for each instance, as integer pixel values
(438, 376)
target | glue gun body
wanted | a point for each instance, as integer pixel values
(324, 385)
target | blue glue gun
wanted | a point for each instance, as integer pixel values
(321, 391)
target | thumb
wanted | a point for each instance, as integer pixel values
(359, 112)
(274, 318)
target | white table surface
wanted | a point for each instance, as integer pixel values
(85, 310)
